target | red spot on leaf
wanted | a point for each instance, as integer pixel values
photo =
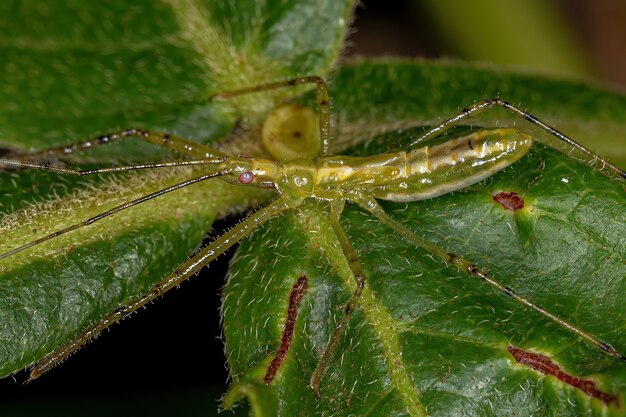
(510, 201)
(445, 377)
(545, 365)
(298, 291)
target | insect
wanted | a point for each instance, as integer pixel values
(421, 171)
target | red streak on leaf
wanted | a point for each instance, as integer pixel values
(510, 201)
(545, 365)
(298, 291)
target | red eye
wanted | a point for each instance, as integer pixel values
(246, 178)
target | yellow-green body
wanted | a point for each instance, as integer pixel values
(415, 174)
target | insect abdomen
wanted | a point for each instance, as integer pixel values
(431, 171)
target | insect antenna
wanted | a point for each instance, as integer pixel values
(80, 172)
(114, 210)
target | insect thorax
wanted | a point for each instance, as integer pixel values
(298, 177)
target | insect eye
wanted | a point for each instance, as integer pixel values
(246, 178)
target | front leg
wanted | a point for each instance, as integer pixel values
(179, 275)
(166, 140)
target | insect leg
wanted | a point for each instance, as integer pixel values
(114, 210)
(323, 101)
(179, 275)
(370, 205)
(353, 303)
(166, 140)
(483, 105)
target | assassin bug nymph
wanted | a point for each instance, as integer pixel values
(421, 171)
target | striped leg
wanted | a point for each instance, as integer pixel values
(323, 101)
(370, 205)
(165, 140)
(479, 107)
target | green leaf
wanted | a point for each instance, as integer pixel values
(429, 336)
(71, 72)
(263, 399)
(70, 77)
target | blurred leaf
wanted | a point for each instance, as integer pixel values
(531, 34)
